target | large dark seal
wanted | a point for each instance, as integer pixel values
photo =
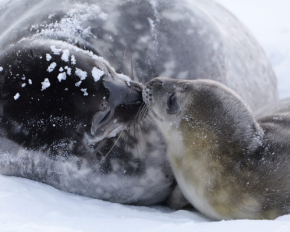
(68, 116)
(228, 164)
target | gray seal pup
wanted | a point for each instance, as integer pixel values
(68, 116)
(228, 164)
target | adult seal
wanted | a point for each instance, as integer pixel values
(228, 164)
(68, 116)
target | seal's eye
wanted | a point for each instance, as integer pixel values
(171, 101)
(172, 104)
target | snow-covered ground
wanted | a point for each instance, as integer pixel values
(30, 206)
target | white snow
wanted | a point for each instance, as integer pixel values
(65, 55)
(30, 81)
(48, 57)
(45, 84)
(81, 74)
(97, 74)
(51, 67)
(73, 60)
(124, 77)
(72, 23)
(1, 69)
(29, 206)
(78, 83)
(55, 50)
(103, 16)
(61, 76)
(68, 70)
(85, 92)
(23, 85)
(16, 96)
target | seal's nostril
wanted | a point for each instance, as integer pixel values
(139, 103)
(106, 117)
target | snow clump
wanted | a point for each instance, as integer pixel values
(97, 74)
(45, 84)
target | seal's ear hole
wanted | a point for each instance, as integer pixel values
(171, 102)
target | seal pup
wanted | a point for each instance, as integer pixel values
(68, 139)
(228, 164)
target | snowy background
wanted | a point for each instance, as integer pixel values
(30, 206)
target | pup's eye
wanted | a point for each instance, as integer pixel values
(171, 103)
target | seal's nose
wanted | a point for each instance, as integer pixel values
(147, 90)
(123, 92)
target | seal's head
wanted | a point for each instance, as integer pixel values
(192, 106)
(210, 132)
(166, 97)
(52, 91)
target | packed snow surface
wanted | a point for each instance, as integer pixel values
(31, 206)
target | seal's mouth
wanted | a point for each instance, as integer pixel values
(110, 122)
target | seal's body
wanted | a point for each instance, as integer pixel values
(66, 119)
(228, 164)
